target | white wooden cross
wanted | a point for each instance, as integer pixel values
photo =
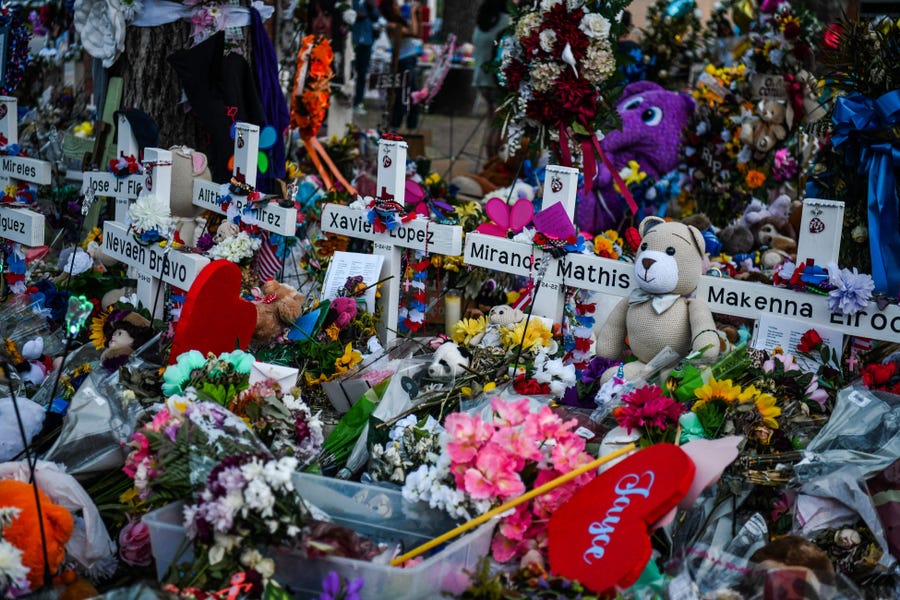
(272, 217)
(517, 258)
(124, 189)
(19, 224)
(153, 264)
(417, 234)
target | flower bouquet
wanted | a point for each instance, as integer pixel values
(559, 68)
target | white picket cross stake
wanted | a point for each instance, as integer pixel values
(152, 264)
(417, 234)
(508, 256)
(272, 217)
(19, 224)
(124, 189)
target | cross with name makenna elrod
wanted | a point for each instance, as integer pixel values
(19, 224)
(209, 195)
(417, 234)
(152, 263)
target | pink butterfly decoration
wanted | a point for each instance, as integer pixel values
(506, 219)
(415, 198)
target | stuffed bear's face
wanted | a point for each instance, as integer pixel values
(505, 315)
(448, 361)
(670, 258)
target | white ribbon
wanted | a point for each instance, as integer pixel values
(160, 12)
(660, 302)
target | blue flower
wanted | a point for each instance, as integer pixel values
(242, 361)
(853, 290)
(178, 374)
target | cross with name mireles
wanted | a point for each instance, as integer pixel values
(124, 189)
(153, 264)
(517, 258)
(417, 234)
(209, 195)
(19, 224)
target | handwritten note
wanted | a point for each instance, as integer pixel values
(351, 264)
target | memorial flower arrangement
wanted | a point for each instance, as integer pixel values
(216, 378)
(240, 248)
(649, 411)
(312, 91)
(412, 442)
(558, 67)
(782, 37)
(671, 40)
(486, 462)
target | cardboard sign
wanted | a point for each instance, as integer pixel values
(765, 86)
(601, 535)
(214, 317)
(22, 225)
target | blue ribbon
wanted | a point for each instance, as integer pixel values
(863, 130)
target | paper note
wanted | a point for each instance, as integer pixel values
(351, 264)
(554, 222)
(785, 333)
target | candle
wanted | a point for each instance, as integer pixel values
(452, 307)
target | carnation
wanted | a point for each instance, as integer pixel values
(854, 290)
(150, 212)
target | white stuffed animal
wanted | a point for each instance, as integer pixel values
(448, 361)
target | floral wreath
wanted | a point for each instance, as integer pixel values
(17, 56)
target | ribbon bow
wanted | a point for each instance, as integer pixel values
(868, 132)
(660, 302)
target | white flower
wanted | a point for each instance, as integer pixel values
(266, 568)
(548, 5)
(599, 62)
(250, 557)
(349, 16)
(237, 248)
(573, 4)
(547, 39)
(259, 498)
(544, 75)
(150, 212)
(594, 26)
(527, 24)
(278, 473)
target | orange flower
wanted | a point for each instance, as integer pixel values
(755, 179)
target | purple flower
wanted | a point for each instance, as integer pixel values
(595, 370)
(353, 588)
(204, 242)
(331, 586)
(853, 290)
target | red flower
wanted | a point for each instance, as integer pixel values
(832, 35)
(810, 342)
(802, 52)
(877, 375)
(633, 238)
(530, 387)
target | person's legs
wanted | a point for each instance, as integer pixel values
(363, 56)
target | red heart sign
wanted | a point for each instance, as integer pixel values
(214, 317)
(601, 535)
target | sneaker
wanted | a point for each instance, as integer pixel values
(359, 109)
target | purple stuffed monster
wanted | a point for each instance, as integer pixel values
(652, 120)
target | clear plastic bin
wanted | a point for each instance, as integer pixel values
(167, 537)
(379, 513)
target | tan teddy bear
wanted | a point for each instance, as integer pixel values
(503, 315)
(279, 307)
(659, 313)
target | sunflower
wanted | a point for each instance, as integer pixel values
(713, 390)
(98, 338)
(765, 404)
(466, 329)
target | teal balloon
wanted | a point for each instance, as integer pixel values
(267, 137)
(676, 9)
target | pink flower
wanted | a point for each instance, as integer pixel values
(516, 525)
(141, 451)
(505, 549)
(468, 434)
(159, 420)
(568, 454)
(545, 504)
(493, 475)
(816, 394)
(517, 444)
(545, 425)
(510, 413)
(134, 544)
(786, 359)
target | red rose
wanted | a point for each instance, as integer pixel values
(876, 375)
(810, 342)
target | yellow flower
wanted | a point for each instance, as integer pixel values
(490, 386)
(612, 235)
(292, 170)
(537, 335)
(755, 179)
(346, 362)
(603, 246)
(466, 329)
(716, 390)
(634, 173)
(765, 404)
(432, 179)
(512, 296)
(450, 263)
(332, 331)
(465, 391)
(98, 338)
(469, 209)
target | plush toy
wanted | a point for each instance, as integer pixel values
(499, 316)
(652, 120)
(124, 331)
(657, 314)
(279, 307)
(188, 165)
(774, 120)
(24, 532)
(448, 361)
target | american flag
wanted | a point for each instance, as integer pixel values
(267, 262)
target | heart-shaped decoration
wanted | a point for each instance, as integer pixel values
(816, 225)
(149, 183)
(386, 161)
(555, 184)
(214, 317)
(3, 110)
(601, 535)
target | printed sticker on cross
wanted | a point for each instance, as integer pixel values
(19, 224)
(209, 195)
(152, 264)
(417, 234)
(517, 258)
(124, 189)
